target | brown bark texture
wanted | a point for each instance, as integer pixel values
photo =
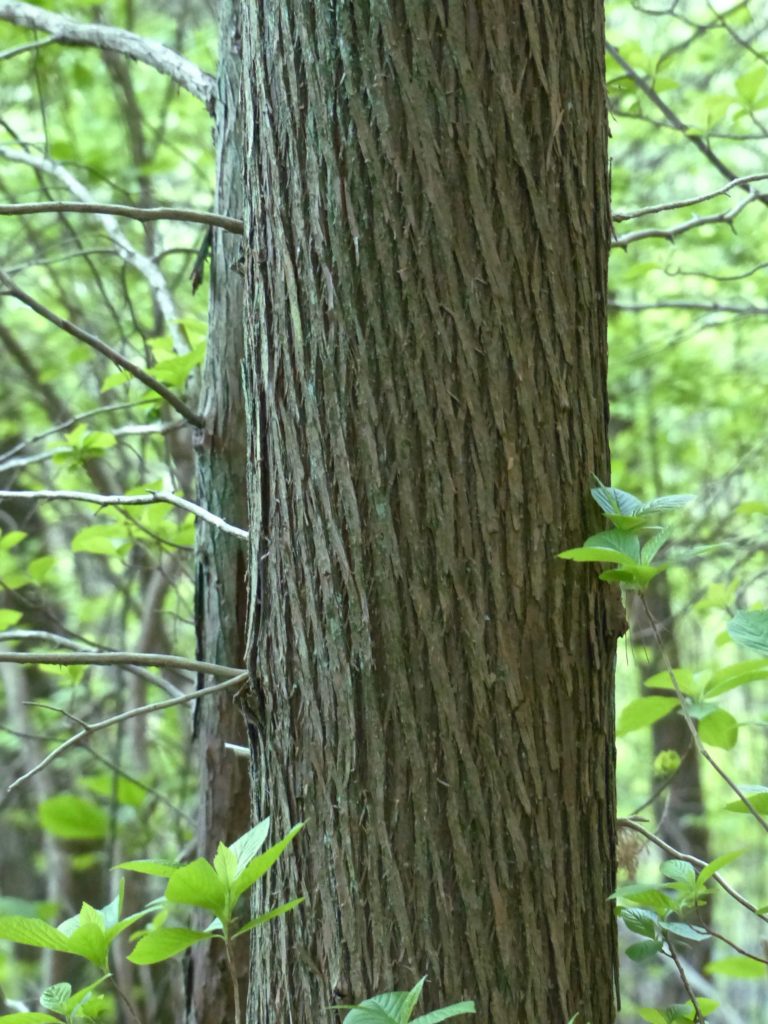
(224, 804)
(427, 231)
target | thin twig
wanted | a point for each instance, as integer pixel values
(106, 37)
(692, 725)
(100, 346)
(685, 983)
(672, 117)
(696, 861)
(146, 709)
(119, 658)
(677, 204)
(142, 213)
(670, 234)
(153, 498)
(8, 635)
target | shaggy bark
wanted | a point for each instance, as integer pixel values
(220, 558)
(427, 232)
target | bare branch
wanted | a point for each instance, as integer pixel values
(145, 265)
(146, 709)
(670, 234)
(66, 30)
(118, 658)
(101, 346)
(8, 635)
(144, 214)
(676, 204)
(702, 307)
(152, 498)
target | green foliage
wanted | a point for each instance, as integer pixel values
(397, 1007)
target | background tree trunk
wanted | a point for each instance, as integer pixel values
(427, 235)
(224, 805)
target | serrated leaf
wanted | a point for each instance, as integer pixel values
(55, 997)
(612, 499)
(641, 921)
(164, 943)
(198, 885)
(635, 577)
(644, 711)
(255, 922)
(225, 865)
(679, 871)
(31, 931)
(262, 863)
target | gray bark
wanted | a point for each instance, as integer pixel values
(427, 231)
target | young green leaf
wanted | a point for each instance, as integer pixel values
(644, 711)
(164, 943)
(750, 629)
(261, 864)
(255, 922)
(198, 885)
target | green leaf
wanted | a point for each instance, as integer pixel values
(9, 617)
(757, 796)
(255, 922)
(736, 675)
(750, 629)
(198, 885)
(719, 862)
(679, 871)
(248, 845)
(719, 729)
(685, 931)
(56, 997)
(31, 1017)
(90, 942)
(644, 711)
(261, 864)
(611, 499)
(644, 950)
(225, 865)
(30, 931)
(446, 1012)
(72, 817)
(641, 921)
(635, 577)
(736, 967)
(160, 868)
(663, 681)
(164, 943)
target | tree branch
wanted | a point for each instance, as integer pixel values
(670, 234)
(119, 658)
(153, 498)
(142, 213)
(65, 30)
(676, 204)
(145, 709)
(672, 117)
(101, 346)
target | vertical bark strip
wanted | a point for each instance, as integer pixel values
(427, 228)
(224, 807)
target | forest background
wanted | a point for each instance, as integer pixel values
(688, 98)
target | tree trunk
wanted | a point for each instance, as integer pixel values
(427, 232)
(224, 804)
